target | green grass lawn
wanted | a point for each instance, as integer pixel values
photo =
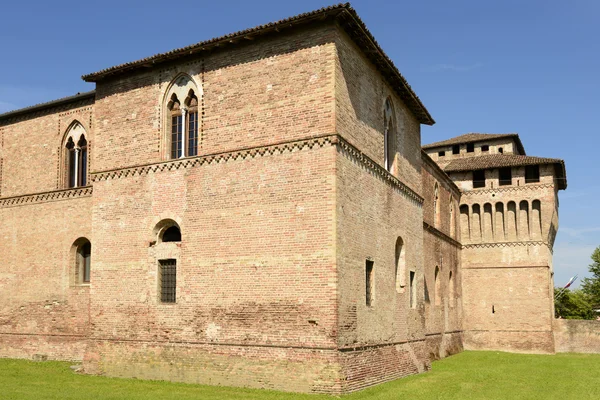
(469, 375)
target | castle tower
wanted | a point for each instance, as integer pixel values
(508, 218)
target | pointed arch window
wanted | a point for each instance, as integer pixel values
(182, 118)
(436, 206)
(76, 157)
(389, 135)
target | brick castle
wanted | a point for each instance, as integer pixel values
(257, 210)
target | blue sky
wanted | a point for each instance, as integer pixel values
(528, 66)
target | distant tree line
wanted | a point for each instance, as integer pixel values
(581, 303)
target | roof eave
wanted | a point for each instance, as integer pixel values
(49, 104)
(350, 21)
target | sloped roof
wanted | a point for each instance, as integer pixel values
(507, 160)
(477, 137)
(49, 104)
(343, 13)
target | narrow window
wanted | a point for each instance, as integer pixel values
(456, 149)
(441, 153)
(413, 292)
(485, 148)
(389, 135)
(436, 206)
(172, 234)
(426, 292)
(470, 147)
(500, 150)
(176, 128)
(168, 281)
(400, 266)
(532, 174)
(479, 178)
(72, 164)
(451, 289)
(369, 283)
(192, 125)
(84, 258)
(438, 287)
(505, 176)
(82, 161)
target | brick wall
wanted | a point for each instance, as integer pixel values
(576, 336)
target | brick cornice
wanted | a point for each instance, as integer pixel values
(528, 186)
(507, 244)
(43, 197)
(378, 170)
(441, 235)
(344, 146)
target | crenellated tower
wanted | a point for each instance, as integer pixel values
(508, 219)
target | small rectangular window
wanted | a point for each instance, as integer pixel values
(456, 149)
(168, 280)
(369, 283)
(441, 153)
(485, 148)
(532, 174)
(505, 176)
(479, 178)
(470, 147)
(412, 291)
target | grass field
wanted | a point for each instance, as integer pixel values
(469, 375)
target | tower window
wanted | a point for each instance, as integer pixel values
(456, 149)
(168, 281)
(479, 179)
(470, 147)
(532, 174)
(505, 175)
(485, 148)
(500, 150)
(369, 282)
(441, 153)
(76, 157)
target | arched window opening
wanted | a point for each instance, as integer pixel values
(176, 127)
(172, 234)
(192, 123)
(436, 206)
(389, 135)
(76, 157)
(72, 181)
(451, 292)
(82, 161)
(452, 221)
(83, 260)
(182, 122)
(400, 266)
(438, 287)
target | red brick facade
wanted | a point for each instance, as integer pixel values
(288, 216)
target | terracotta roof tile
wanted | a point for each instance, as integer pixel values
(53, 103)
(470, 137)
(507, 160)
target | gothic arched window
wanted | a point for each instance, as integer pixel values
(76, 157)
(389, 135)
(192, 124)
(182, 119)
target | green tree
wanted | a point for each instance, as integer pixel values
(591, 286)
(573, 304)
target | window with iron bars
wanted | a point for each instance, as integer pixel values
(168, 281)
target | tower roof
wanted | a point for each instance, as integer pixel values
(477, 137)
(507, 160)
